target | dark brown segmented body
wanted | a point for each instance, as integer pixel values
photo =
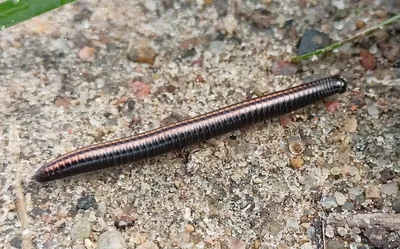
(193, 130)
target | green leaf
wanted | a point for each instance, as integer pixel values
(13, 12)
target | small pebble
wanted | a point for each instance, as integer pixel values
(230, 24)
(334, 71)
(89, 244)
(373, 49)
(342, 231)
(335, 243)
(102, 208)
(140, 89)
(367, 60)
(305, 225)
(354, 192)
(281, 20)
(312, 40)
(329, 231)
(396, 205)
(150, 5)
(373, 111)
(234, 243)
(123, 221)
(16, 44)
(86, 202)
(307, 245)
(328, 202)
(81, 230)
(340, 198)
(355, 230)
(78, 246)
(262, 18)
(391, 51)
(292, 223)
(360, 24)
(188, 214)
(348, 206)
(381, 36)
(372, 192)
(16, 242)
(168, 3)
(142, 54)
(376, 235)
(62, 213)
(189, 228)
(387, 175)
(86, 53)
(332, 106)
(257, 244)
(284, 68)
(285, 120)
(297, 162)
(381, 13)
(216, 47)
(296, 147)
(148, 245)
(339, 4)
(139, 239)
(60, 44)
(390, 188)
(310, 231)
(350, 125)
(283, 246)
(39, 27)
(111, 240)
(336, 171)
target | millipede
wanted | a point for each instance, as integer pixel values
(192, 130)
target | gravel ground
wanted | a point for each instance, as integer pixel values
(325, 176)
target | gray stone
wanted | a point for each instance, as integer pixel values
(112, 239)
(148, 245)
(312, 40)
(336, 243)
(86, 202)
(81, 229)
(348, 206)
(354, 192)
(390, 188)
(396, 205)
(216, 47)
(150, 5)
(328, 202)
(373, 111)
(292, 223)
(377, 236)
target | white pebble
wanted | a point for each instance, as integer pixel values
(150, 5)
(340, 198)
(188, 214)
(292, 223)
(329, 231)
(148, 245)
(307, 245)
(373, 111)
(111, 240)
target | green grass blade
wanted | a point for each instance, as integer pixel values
(339, 44)
(13, 12)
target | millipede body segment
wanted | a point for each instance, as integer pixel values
(193, 130)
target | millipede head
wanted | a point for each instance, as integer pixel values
(340, 83)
